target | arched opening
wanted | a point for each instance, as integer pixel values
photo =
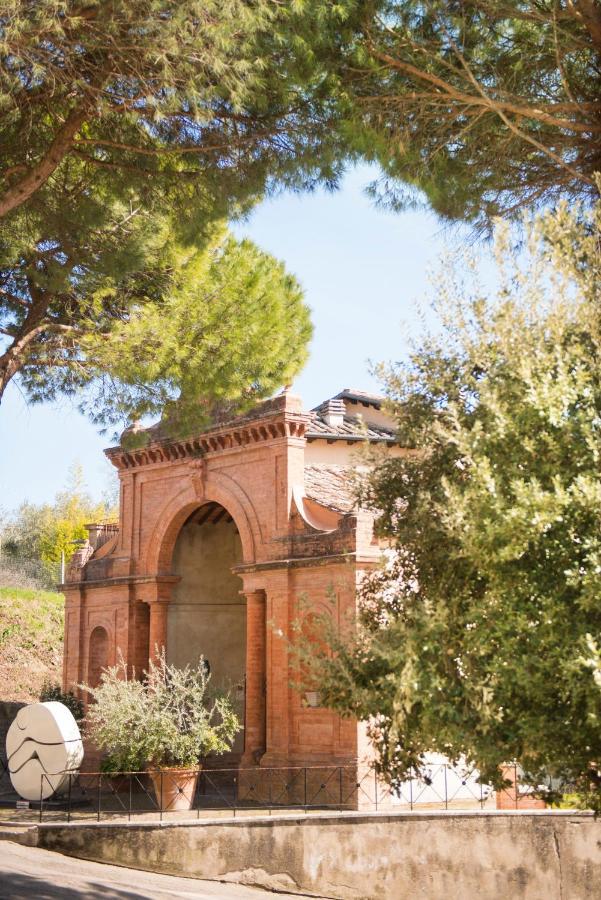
(207, 613)
(98, 655)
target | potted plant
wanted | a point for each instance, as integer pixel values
(165, 723)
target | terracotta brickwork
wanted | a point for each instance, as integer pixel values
(515, 795)
(299, 555)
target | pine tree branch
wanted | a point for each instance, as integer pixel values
(588, 13)
(502, 108)
(14, 299)
(20, 192)
(145, 151)
(482, 99)
(107, 164)
(12, 170)
(163, 151)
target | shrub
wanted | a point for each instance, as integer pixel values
(52, 691)
(169, 718)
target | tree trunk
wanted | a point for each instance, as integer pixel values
(36, 177)
(7, 371)
(15, 355)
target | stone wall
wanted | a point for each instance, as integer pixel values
(8, 711)
(488, 855)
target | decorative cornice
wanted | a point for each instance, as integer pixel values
(229, 437)
(295, 563)
(121, 580)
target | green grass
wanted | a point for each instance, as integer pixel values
(34, 613)
(31, 641)
(30, 594)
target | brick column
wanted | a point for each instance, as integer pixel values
(254, 712)
(74, 643)
(516, 796)
(278, 691)
(157, 633)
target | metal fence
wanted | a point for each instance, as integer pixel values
(255, 791)
(17, 570)
(97, 796)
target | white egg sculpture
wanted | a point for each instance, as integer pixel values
(43, 740)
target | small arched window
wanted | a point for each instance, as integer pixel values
(98, 656)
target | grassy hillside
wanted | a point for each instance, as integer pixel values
(31, 641)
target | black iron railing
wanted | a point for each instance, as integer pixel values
(247, 791)
(257, 790)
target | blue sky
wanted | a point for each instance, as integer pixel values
(364, 271)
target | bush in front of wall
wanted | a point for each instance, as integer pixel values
(169, 719)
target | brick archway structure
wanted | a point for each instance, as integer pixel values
(171, 519)
(283, 475)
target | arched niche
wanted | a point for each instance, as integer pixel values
(207, 613)
(98, 655)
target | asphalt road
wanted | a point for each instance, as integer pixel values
(27, 873)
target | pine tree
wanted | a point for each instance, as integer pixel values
(223, 95)
(134, 125)
(481, 108)
(195, 332)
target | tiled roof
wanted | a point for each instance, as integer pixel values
(351, 429)
(332, 486)
(361, 397)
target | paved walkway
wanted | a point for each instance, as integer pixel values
(27, 873)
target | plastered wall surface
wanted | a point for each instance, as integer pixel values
(207, 615)
(489, 856)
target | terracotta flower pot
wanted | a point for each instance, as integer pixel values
(175, 789)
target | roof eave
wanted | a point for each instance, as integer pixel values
(349, 438)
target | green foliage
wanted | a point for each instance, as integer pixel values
(43, 531)
(475, 638)
(129, 130)
(229, 327)
(142, 97)
(35, 614)
(53, 692)
(112, 765)
(31, 641)
(168, 719)
(211, 322)
(482, 107)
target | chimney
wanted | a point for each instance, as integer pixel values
(332, 411)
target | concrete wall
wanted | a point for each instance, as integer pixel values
(207, 614)
(459, 856)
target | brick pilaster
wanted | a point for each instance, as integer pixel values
(157, 632)
(255, 712)
(277, 633)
